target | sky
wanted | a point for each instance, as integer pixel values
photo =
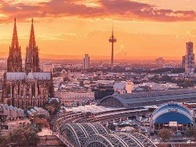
(143, 28)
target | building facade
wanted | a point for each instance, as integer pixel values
(189, 59)
(29, 87)
(173, 116)
(160, 62)
(86, 62)
(121, 87)
(69, 98)
(102, 91)
(183, 61)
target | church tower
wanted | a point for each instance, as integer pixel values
(32, 54)
(14, 61)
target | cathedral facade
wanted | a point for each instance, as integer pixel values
(25, 87)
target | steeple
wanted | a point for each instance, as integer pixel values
(15, 37)
(32, 53)
(14, 61)
(32, 42)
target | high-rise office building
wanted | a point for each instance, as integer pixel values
(160, 62)
(189, 59)
(183, 61)
(86, 62)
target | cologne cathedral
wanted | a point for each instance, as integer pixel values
(25, 87)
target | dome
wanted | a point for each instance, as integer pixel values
(172, 112)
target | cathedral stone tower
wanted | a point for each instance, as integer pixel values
(30, 87)
(14, 61)
(32, 54)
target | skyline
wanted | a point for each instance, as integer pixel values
(76, 28)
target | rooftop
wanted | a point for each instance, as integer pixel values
(91, 108)
(172, 112)
(148, 98)
(13, 76)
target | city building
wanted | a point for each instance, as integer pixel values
(77, 97)
(102, 91)
(151, 86)
(47, 67)
(123, 87)
(10, 112)
(148, 98)
(183, 61)
(189, 59)
(86, 62)
(160, 62)
(172, 115)
(37, 111)
(28, 87)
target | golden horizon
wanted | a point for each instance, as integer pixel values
(70, 33)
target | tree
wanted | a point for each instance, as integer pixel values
(3, 141)
(22, 136)
(41, 122)
(51, 109)
(185, 83)
(191, 132)
(164, 134)
(53, 106)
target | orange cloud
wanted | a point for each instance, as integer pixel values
(118, 9)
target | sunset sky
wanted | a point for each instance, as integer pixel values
(143, 28)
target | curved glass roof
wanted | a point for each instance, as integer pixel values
(172, 112)
(173, 116)
(172, 106)
(150, 98)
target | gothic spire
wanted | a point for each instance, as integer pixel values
(14, 61)
(15, 36)
(32, 54)
(32, 36)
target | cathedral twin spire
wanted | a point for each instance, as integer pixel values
(15, 37)
(32, 36)
(32, 54)
(14, 61)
